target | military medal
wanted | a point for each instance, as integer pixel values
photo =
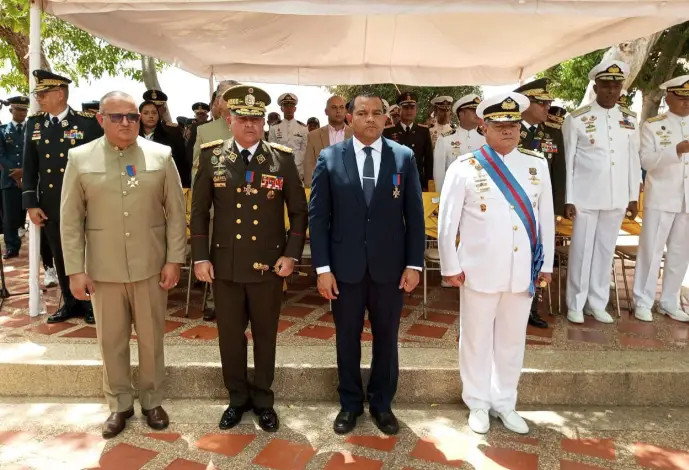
(214, 160)
(217, 151)
(543, 283)
(37, 126)
(271, 194)
(532, 172)
(483, 208)
(131, 172)
(248, 190)
(629, 213)
(396, 180)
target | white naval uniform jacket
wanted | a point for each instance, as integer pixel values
(450, 146)
(666, 187)
(602, 157)
(494, 250)
(292, 134)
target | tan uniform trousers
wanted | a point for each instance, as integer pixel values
(116, 306)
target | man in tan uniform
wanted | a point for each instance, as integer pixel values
(123, 236)
(249, 181)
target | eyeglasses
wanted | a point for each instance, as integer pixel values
(117, 117)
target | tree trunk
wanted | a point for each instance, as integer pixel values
(651, 103)
(20, 44)
(633, 53)
(149, 73)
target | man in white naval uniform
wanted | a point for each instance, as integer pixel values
(665, 157)
(442, 106)
(290, 132)
(462, 140)
(506, 249)
(603, 178)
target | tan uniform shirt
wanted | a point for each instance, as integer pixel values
(122, 211)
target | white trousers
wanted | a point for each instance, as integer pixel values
(590, 258)
(661, 228)
(492, 338)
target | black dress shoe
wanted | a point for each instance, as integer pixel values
(64, 313)
(386, 422)
(87, 308)
(345, 421)
(536, 321)
(267, 419)
(115, 423)
(10, 255)
(233, 416)
(209, 314)
(156, 418)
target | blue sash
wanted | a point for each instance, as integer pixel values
(515, 195)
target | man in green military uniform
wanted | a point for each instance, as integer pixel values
(533, 137)
(553, 148)
(248, 181)
(49, 135)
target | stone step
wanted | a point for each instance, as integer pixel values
(427, 376)
(64, 434)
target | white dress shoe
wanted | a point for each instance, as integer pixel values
(643, 314)
(445, 284)
(479, 422)
(512, 421)
(575, 317)
(600, 315)
(677, 315)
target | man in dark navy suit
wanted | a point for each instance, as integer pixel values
(367, 242)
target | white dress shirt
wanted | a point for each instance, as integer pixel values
(494, 250)
(449, 147)
(666, 187)
(360, 155)
(251, 149)
(602, 158)
(60, 116)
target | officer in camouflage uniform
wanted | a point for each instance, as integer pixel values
(248, 181)
(50, 134)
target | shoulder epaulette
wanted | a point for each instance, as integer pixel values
(627, 111)
(171, 124)
(301, 123)
(553, 125)
(214, 143)
(38, 114)
(86, 114)
(450, 132)
(660, 117)
(280, 147)
(533, 153)
(422, 125)
(580, 111)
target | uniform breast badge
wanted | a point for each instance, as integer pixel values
(273, 168)
(131, 172)
(249, 177)
(261, 159)
(483, 208)
(396, 181)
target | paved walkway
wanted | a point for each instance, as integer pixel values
(50, 435)
(305, 320)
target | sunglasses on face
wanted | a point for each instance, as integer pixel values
(118, 117)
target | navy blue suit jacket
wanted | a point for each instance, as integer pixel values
(352, 238)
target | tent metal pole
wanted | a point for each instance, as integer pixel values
(211, 84)
(35, 307)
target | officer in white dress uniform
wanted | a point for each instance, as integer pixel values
(290, 132)
(494, 265)
(442, 107)
(460, 141)
(665, 157)
(603, 178)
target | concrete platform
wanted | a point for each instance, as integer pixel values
(309, 373)
(60, 434)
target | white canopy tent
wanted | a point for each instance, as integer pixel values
(326, 42)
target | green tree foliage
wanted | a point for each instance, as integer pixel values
(389, 92)
(67, 50)
(569, 79)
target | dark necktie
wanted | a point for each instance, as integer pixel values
(407, 130)
(55, 120)
(532, 130)
(20, 128)
(369, 176)
(245, 156)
